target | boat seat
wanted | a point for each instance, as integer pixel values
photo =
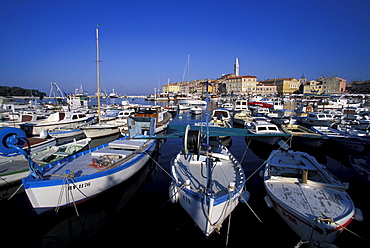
(62, 154)
(126, 144)
(108, 151)
(220, 156)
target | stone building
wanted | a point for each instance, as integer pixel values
(241, 85)
(284, 86)
(333, 85)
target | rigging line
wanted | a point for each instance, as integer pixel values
(10, 197)
(245, 152)
(60, 195)
(160, 166)
(254, 213)
(228, 231)
(265, 162)
(74, 203)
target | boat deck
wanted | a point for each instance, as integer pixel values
(193, 167)
(309, 200)
(96, 161)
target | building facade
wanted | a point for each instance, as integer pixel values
(171, 88)
(284, 86)
(241, 85)
(333, 85)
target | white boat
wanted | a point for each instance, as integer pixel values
(86, 174)
(192, 102)
(55, 120)
(60, 133)
(196, 110)
(100, 130)
(207, 182)
(307, 197)
(241, 105)
(228, 106)
(345, 139)
(221, 114)
(316, 119)
(184, 106)
(271, 133)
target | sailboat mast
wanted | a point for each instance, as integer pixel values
(98, 70)
(209, 161)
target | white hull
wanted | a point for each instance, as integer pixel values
(73, 188)
(38, 128)
(208, 207)
(207, 213)
(65, 134)
(96, 131)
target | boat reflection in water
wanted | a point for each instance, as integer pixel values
(96, 214)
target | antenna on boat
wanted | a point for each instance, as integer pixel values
(98, 68)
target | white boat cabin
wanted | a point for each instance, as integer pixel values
(241, 105)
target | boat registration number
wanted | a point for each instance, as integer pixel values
(79, 186)
(289, 216)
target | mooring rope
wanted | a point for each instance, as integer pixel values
(267, 160)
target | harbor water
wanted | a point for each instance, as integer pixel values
(139, 213)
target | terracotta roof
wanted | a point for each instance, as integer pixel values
(248, 76)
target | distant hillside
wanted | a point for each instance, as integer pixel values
(18, 91)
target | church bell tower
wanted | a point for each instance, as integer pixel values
(236, 67)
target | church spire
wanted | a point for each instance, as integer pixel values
(236, 67)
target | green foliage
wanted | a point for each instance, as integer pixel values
(18, 91)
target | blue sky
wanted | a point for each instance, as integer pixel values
(143, 43)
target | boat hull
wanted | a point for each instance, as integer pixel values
(308, 229)
(207, 212)
(100, 131)
(47, 194)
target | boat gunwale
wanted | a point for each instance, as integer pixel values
(30, 182)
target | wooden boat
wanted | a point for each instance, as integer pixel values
(345, 139)
(15, 168)
(207, 182)
(162, 116)
(304, 135)
(86, 174)
(272, 134)
(307, 197)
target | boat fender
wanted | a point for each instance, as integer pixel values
(261, 173)
(358, 215)
(174, 193)
(268, 202)
(244, 197)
